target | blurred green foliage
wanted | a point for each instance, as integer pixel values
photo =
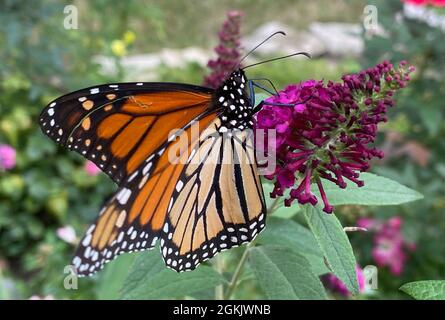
(41, 60)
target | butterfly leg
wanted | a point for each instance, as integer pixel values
(253, 84)
(266, 103)
(268, 81)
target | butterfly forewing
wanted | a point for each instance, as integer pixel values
(118, 126)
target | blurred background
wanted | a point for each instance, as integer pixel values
(48, 195)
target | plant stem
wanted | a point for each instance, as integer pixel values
(219, 266)
(237, 273)
(239, 268)
(272, 206)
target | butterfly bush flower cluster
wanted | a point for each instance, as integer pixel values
(390, 247)
(330, 135)
(228, 50)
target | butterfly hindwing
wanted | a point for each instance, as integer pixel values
(218, 201)
(133, 218)
(110, 235)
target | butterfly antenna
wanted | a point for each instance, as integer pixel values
(279, 58)
(260, 44)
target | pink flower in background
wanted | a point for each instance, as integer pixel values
(337, 286)
(67, 234)
(7, 157)
(390, 247)
(331, 135)
(91, 169)
(417, 2)
(228, 50)
(436, 3)
(367, 223)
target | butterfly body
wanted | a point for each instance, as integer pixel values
(232, 95)
(207, 201)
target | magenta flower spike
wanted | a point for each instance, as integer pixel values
(228, 50)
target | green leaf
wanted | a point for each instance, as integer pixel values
(288, 233)
(149, 278)
(425, 290)
(334, 244)
(432, 119)
(112, 278)
(377, 191)
(276, 206)
(282, 273)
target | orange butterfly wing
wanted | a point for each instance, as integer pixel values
(134, 217)
(124, 129)
(197, 208)
(218, 202)
(118, 126)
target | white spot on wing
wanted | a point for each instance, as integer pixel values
(179, 185)
(133, 176)
(170, 205)
(76, 262)
(86, 240)
(123, 196)
(147, 168)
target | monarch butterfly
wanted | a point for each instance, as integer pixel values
(195, 207)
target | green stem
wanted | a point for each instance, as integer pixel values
(272, 206)
(219, 294)
(239, 268)
(219, 267)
